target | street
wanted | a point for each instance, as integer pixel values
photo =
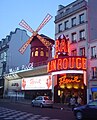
(18, 111)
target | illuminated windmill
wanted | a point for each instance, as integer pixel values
(41, 44)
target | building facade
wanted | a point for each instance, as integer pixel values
(10, 58)
(33, 80)
(77, 22)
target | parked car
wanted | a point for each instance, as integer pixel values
(42, 101)
(88, 111)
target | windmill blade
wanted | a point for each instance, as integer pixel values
(25, 45)
(45, 21)
(44, 41)
(26, 26)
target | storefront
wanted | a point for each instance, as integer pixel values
(93, 89)
(36, 86)
(68, 73)
(28, 84)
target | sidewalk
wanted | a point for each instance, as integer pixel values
(55, 106)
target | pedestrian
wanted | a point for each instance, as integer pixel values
(72, 102)
(63, 97)
(79, 100)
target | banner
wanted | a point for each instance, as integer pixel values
(37, 83)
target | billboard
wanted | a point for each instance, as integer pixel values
(37, 83)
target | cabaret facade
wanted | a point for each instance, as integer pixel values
(77, 22)
(68, 72)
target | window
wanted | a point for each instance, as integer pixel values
(81, 18)
(1, 56)
(60, 27)
(94, 72)
(36, 48)
(41, 53)
(82, 35)
(74, 37)
(74, 52)
(5, 56)
(66, 23)
(93, 52)
(32, 54)
(36, 53)
(73, 21)
(47, 54)
(82, 51)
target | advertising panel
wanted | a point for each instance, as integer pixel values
(37, 83)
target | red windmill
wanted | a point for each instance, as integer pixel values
(41, 44)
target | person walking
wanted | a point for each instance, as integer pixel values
(72, 102)
(63, 97)
(79, 101)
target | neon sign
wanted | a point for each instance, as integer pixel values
(67, 63)
(61, 45)
(64, 80)
(70, 79)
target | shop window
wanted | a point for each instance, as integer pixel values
(66, 25)
(74, 52)
(41, 53)
(74, 37)
(81, 18)
(82, 51)
(93, 52)
(82, 35)
(36, 53)
(94, 72)
(73, 20)
(60, 27)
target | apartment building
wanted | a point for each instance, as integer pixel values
(77, 21)
(10, 57)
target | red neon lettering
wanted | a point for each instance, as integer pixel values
(78, 63)
(57, 46)
(62, 44)
(59, 65)
(84, 63)
(53, 65)
(71, 63)
(65, 63)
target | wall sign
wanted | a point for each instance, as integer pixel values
(67, 63)
(39, 83)
(61, 45)
(71, 80)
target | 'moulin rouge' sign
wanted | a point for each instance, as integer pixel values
(65, 62)
(61, 45)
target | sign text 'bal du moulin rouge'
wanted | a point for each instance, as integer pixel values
(65, 62)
